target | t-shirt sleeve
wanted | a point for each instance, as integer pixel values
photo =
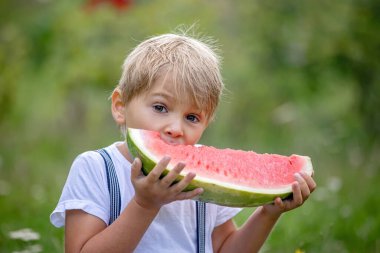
(85, 189)
(225, 213)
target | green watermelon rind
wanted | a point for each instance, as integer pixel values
(220, 193)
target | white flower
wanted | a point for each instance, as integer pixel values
(25, 234)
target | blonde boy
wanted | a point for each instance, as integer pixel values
(171, 84)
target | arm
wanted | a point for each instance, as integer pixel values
(249, 238)
(87, 233)
(252, 235)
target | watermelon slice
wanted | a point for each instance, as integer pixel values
(229, 177)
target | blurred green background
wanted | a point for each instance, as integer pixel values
(302, 76)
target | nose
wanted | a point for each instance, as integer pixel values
(174, 129)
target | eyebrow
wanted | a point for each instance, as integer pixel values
(164, 95)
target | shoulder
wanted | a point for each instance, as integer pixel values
(89, 157)
(89, 162)
(93, 161)
(85, 189)
(90, 165)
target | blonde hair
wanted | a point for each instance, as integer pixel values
(192, 63)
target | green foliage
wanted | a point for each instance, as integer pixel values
(302, 77)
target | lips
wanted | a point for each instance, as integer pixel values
(170, 140)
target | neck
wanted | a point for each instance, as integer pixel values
(122, 147)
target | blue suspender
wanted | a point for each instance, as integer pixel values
(113, 186)
(115, 202)
(201, 226)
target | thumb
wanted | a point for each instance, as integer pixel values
(136, 168)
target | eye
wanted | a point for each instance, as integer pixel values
(160, 108)
(193, 118)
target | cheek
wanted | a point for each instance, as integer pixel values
(133, 118)
(195, 136)
(142, 119)
(137, 121)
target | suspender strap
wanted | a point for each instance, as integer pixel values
(201, 226)
(113, 186)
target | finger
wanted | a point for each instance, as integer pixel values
(172, 175)
(309, 181)
(297, 195)
(182, 184)
(304, 188)
(190, 194)
(136, 169)
(156, 173)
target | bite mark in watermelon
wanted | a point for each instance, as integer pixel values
(229, 177)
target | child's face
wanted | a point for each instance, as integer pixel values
(178, 120)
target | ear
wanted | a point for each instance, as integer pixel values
(118, 107)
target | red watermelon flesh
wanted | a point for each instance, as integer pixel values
(245, 168)
(229, 177)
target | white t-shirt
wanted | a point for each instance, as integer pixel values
(174, 227)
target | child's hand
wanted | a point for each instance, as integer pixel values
(152, 191)
(302, 189)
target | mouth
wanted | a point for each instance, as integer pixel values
(171, 141)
